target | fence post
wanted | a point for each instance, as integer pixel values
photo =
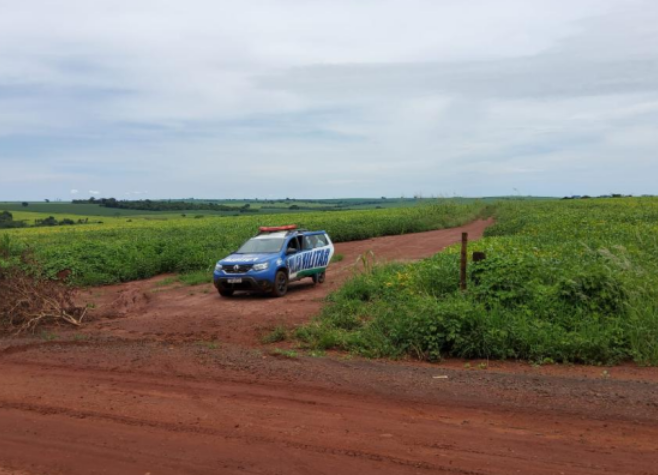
(464, 260)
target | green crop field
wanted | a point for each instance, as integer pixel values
(262, 206)
(123, 249)
(68, 209)
(567, 281)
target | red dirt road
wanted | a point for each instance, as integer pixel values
(123, 398)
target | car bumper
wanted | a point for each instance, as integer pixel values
(248, 283)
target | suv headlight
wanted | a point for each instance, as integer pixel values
(262, 266)
(218, 267)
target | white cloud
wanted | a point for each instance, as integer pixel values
(74, 191)
(94, 192)
(329, 98)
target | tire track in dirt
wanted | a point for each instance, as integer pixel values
(186, 429)
(314, 421)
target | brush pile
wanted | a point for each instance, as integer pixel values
(28, 299)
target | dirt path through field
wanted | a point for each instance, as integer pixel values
(147, 392)
(145, 309)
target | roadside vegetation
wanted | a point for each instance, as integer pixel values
(567, 281)
(124, 250)
(27, 299)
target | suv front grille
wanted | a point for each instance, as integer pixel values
(237, 269)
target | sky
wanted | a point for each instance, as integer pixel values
(327, 98)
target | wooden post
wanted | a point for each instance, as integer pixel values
(462, 279)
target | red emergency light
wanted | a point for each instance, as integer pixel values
(271, 229)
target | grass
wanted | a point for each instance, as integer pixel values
(572, 281)
(167, 281)
(278, 334)
(195, 277)
(337, 258)
(290, 354)
(188, 278)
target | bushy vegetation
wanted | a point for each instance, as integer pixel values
(161, 205)
(568, 281)
(127, 250)
(7, 221)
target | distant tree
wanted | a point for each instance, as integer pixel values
(47, 200)
(293, 207)
(7, 221)
(25, 203)
(49, 221)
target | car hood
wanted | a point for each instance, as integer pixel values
(234, 259)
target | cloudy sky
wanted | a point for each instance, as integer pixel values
(335, 98)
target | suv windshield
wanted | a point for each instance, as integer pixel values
(261, 245)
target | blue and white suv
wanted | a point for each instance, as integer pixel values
(272, 259)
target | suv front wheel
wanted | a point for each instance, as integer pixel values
(225, 292)
(280, 284)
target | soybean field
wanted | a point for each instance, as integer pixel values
(563, 281)
(124, 249)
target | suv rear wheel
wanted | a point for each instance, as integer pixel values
(280, 284)
(319, 278)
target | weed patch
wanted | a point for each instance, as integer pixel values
(277, 335)
(290, 354)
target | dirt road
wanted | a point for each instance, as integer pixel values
(122, 398)
(174, 313)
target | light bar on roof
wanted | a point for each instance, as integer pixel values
(272, 229)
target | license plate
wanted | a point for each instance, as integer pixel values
(234, 281)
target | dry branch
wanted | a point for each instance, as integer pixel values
(28, 300)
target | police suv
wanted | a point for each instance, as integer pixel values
(273, 258)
